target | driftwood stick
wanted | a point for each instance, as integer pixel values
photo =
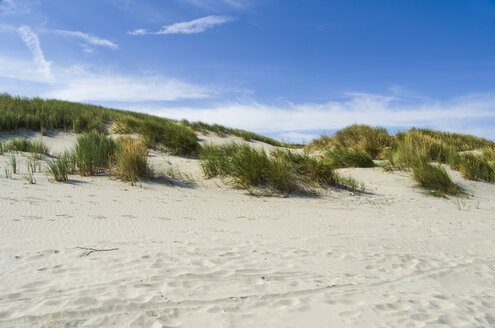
(89, 250)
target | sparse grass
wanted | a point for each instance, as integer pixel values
(474, 167)
(434, 178)
(59, 168)
(130, 161)
(93, 153)
(172, 173)
(8, 173)
(31, 169)
(223, 131)
(13, 164)
(348, 157)
(1, 147)
(25, 145)
(351, 183)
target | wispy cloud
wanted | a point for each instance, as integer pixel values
(32, 41)
(461, 114)
(82, 85)
(86, 84)
(13, 7)
(195, 26)
(40, 77)
(236, 4)
(90, 39)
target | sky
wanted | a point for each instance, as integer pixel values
(289, 69)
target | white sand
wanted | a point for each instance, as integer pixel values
(210, 256)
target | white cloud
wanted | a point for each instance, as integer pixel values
(91, 39)
(237, 4)
(80, 85)
(139, 31)
(462, 114)
(40, 78)
(32, 41)
(92, 85)
(195, 26)
(15, 7)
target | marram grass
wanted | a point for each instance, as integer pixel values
(130, 161)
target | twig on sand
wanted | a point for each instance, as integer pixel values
(89, 250)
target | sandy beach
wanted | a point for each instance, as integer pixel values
(96, 252)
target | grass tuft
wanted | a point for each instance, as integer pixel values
(25, 145)
(434, 178)
(13, 164)
(130, 161)
(93, 153)
(348, 157)
(281, 171)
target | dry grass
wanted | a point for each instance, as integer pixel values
(130, 162)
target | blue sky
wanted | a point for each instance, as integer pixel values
(287, 68)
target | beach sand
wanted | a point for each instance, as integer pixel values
(208, 255)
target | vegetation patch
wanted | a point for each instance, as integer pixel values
(281, 171)
(474, 167)
(374, 141)
(39, 115)
(348, 157)
(130, 161)
(25, 145)
(93, 153)
(434, 178)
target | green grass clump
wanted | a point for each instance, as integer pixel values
(434, 178)
(26, 145)
(313, 169)
(247, 166)
(58, 168)
(61, 167)
(93, 153)
(13, 164)
(130, 161)
(348, 157)
(474, 167)
(282, 171)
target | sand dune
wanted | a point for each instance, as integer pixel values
(210, 256)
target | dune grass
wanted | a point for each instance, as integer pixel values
(247, 166)
(434, 178)
(475, 167)
(281, 171)
(130, 161)
(374, 141)
(93, 152)
(13, 164)
(25, 145)
(61, 167)
(312, 169)
(348, 157)
(31, 169)
(178, 136)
